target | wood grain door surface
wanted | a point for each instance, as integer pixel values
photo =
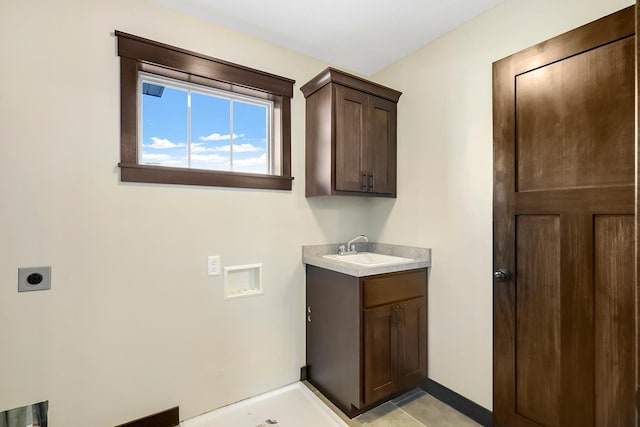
(365, 159)
(564, 227)
(380, 352)
(351, 118)
(395, 348)
(412, 342)
(381, 146)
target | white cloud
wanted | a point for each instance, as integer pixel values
(219, 137)
(161, 143)
(239, 148)
(199, 147)
(209, 158)
(252, 161)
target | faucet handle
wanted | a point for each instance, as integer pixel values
(341, 250)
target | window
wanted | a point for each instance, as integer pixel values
(191, 119)
(224, 131)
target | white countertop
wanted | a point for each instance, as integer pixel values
(313, 255)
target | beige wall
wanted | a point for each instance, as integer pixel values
(133, 325)
(445, 174)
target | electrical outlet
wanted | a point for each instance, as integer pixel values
(213, 265)
(34, 279)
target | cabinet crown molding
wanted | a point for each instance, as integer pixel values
(331, 75)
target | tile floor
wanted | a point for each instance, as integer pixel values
(413, 409)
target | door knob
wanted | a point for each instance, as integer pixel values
(502, 275)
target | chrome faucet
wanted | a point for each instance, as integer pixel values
(351, 248)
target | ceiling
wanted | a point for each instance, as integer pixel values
(362, 36)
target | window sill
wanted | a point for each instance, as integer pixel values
(183, 176)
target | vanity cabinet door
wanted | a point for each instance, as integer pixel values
(380, 352)
(412, 342)
(395, 348)
(394, 333)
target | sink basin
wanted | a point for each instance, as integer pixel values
(369, 259)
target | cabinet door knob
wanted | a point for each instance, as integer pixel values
(502, 275)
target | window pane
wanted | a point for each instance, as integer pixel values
(210, 132)
(164, 126)
(250, 144)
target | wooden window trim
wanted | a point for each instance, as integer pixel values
(140, 54)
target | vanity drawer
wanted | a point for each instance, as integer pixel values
(392, 287)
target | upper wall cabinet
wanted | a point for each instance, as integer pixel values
(350, 136)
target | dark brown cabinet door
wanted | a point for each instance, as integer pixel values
(564, 173)
(365, 152)
(381, 145)
(380, 352)
(412, 342)
(395, 348)
(350, 161)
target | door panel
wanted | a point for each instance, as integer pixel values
(614, 278)
(381, 140)
(412, 342)
(538, 318)
(564, 112)
(576, 302)
(564, 321)
(380, 352)
(350, 131)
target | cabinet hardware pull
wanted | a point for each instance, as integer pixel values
(402, 314)
(364, 180)
(394, 316)
(309, 318)
(371, 182)
(309, 309)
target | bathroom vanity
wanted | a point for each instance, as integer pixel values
(366, 324)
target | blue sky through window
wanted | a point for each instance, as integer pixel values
(217, 142)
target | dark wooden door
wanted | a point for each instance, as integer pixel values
(381, 145)
(564, 168)
(380, 352)
(350, 158)
(412, 342)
